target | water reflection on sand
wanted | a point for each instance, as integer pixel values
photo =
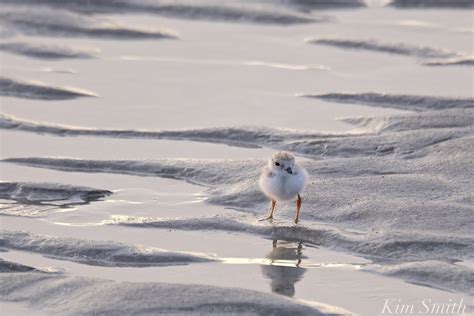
(284, 270)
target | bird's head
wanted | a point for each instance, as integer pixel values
(282, 162)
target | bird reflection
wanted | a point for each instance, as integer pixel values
(284, 270)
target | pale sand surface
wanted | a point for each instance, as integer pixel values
(249, 75)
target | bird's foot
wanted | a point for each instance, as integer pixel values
(296, 221)
(269, 218)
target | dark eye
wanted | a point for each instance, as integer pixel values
(277, 163)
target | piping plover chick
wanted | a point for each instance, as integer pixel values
(282, 180)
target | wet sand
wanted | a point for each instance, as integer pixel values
(173, 112)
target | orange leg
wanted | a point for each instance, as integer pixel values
(299, 252)
(270, 217)
(298, 207)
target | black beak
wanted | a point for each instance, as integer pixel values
(289, 170)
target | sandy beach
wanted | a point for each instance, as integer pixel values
(133, 134)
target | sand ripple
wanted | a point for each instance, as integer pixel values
(433, 3)
(382, 47)
(213, 11)
(397, 101)
(98, 253)
(33, 90)
(49, 52)
(84, 296)
(41, 22)
(39, 199)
